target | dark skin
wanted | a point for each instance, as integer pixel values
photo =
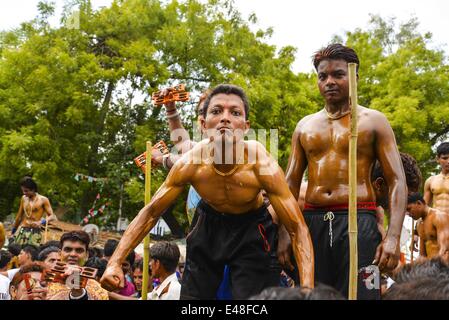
(235, 193)
(433, 231)
(321, 144)
(177, 130)
(436, 188)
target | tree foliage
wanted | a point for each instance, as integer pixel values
(77, 100)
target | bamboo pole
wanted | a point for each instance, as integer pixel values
(146, 242)
(412, 244)
(352, 221)
(46, 230)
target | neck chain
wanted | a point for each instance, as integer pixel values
(232, 171)
(31, 205)
(332, 117)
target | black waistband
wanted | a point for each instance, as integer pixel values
(206, 208)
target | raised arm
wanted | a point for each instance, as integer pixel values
(390, 161)
(2, 235)
(297, 163)
(428, 195)
(145, 220)
(273, 181)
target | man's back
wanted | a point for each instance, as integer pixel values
(434, 231)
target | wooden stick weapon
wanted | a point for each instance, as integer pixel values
(146, 242)
(352, 222)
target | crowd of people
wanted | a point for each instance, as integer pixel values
(256, 233)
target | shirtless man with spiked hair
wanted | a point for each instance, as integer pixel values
(320, 143)
(234, 227)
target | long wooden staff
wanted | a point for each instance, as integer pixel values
(352, 224)
(46, 230)
(146, 242)
(412, 244)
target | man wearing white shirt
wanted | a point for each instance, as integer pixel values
(164, 260)
(5, 257)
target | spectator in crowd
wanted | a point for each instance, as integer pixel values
(37, 287)
(49, 256)
(5, 257)
(74, 251)
(164, 258)
(320, 292)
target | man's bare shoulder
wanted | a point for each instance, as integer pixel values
(372, 114)
(317, 116)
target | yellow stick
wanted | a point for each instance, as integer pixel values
(412, 244)
(146, 242)
(352, 223)
(46, 230)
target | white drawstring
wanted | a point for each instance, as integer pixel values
(329, 216)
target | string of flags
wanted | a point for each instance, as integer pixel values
(80, 176)
(93, 213)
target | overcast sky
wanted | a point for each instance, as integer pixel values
(307, 25)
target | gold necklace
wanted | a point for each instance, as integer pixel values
(225, 174)
(332, 117)
(31, 206)
(230, 172)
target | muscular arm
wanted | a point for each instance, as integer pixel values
(145, 220)
(49, 211)
(297, 163)
(428, 195)
(422, 246)
(19, 215)
(390, 161)
(442, 226)
(272, 179)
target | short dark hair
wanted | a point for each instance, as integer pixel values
(227, 89)
(14, 248)
(44, 253)
(167, 253)
(320, 292)
(32, 251)
(97, 263)
(443, 148)
(335, 51)
(51, 243)
(79, 235)
(412, 172)
(28, 183)
(131, 257)
(415, 197)
(421, 289)
(138, 265)
(5, 257)
(431, 268)
(202, 99)
(109, 247)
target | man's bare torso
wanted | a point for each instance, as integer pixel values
(439, 186)
(237, 193)
(34, 210)
(326, 146)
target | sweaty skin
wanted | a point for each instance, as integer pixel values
(433, 232)
(235, 193)
(32, 210)
(436, 192)
(321, 144)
